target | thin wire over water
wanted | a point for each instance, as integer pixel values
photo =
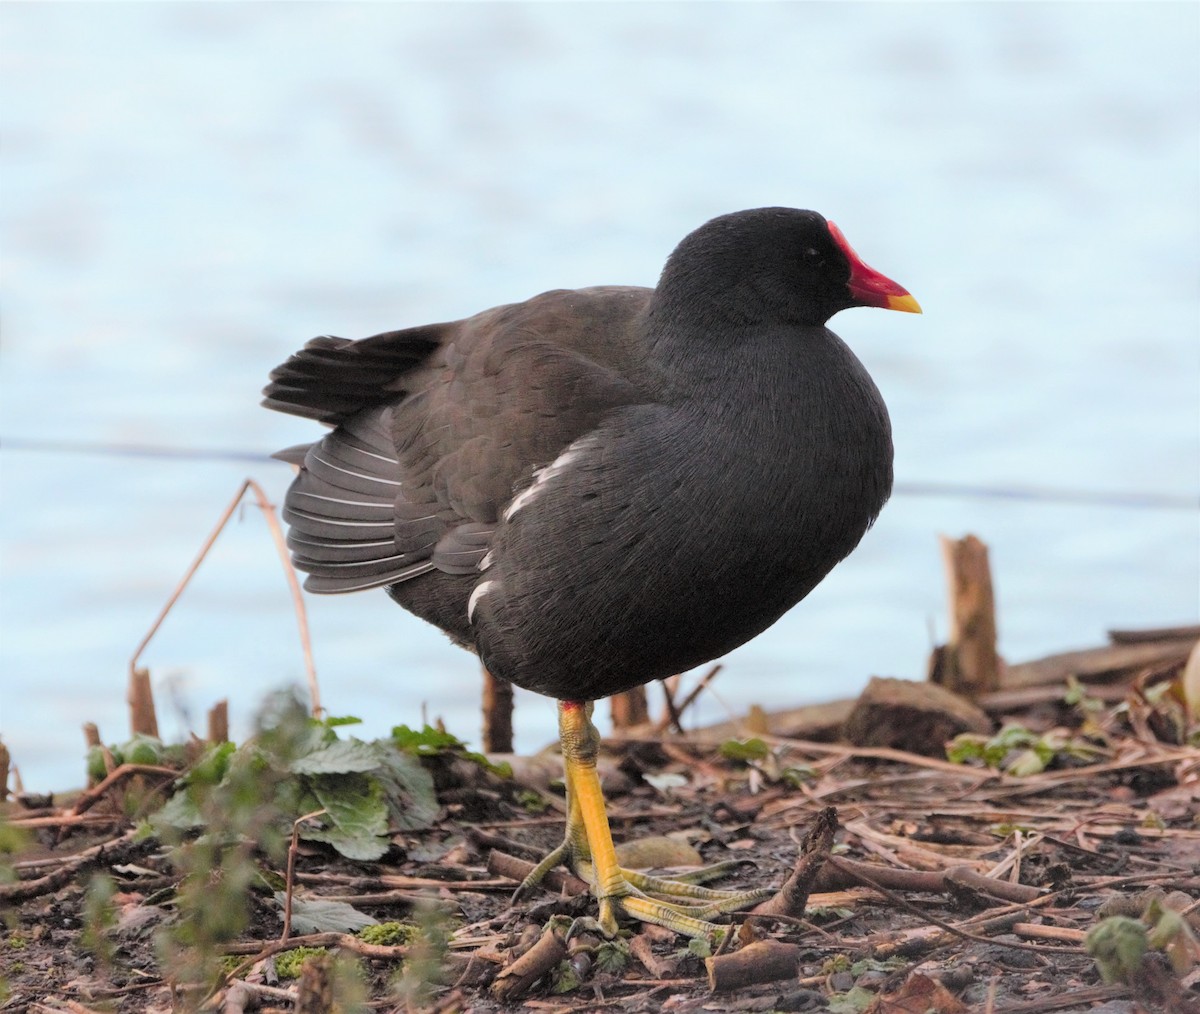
(1039, 494)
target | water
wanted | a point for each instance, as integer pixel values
(190, 191)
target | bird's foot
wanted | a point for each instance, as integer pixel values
(680, 902)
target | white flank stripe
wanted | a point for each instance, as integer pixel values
(544, 475)
(480, 591)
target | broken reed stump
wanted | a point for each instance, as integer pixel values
(218, 722)
(497, 714)
(968, 663)
(629, 709)
(761, 961)
(142, 718)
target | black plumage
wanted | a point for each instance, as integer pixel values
(599, 487)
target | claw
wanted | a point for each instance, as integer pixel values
(679, 903)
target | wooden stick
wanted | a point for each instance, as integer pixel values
(629, 708)
(503, 865)
(969, 664)
(1036, 931)
(289, 572)
(218, 722)
(792, 897)
(93, 795)
(541, 958)
(497, 714)
(314, 992)
(23, 890)
(1156, 634)
(143, 720)
(290, 878)
(677, 709)
(762, 961)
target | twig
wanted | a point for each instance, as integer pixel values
(792, 897)
(93, 795)
(268, 510)
(543, 956)
(497, 713)
(675, 712)
(218, 722)
(518, 869)
(143, 719)
(290, 877)
(761, 961)
(1036, 931)
(902, 945)
(843, 872)
(968, 664)
(26, 889)
(671, 717)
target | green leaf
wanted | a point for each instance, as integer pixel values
(427, 742)
(408, 789)
(333, 721)
(1117, 945)
(612, 956)
(179, 812)
(565, 978)
(342, 756)
(855, 1001)
(355, 807)
(966, 746)
(745, 750)
(314, 915)
(142, 749)
(212, 766)
(1025, 763)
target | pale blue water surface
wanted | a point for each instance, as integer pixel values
(191, 191)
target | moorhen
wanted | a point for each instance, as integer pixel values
(596, 488)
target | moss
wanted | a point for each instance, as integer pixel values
(388, 934)
(287, 963)
(16, 942)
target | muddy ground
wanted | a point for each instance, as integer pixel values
(950, 886)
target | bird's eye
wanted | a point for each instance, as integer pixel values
(813, 257)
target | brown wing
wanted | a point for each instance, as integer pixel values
(437, 427)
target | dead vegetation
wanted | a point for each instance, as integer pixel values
(1057, 869)
(1034, 849)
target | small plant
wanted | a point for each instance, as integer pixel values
(429, 944)
(389, 934)
(1118, 944)
(288, 963)
(430, 741)
(745, 751)
(764, 763)
(13, 841)
(99, 917)
(531, 801)
(360, 788)
(238, 798)
(1017, 751)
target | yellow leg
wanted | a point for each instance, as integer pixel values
(588, 849)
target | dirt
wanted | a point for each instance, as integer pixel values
(1063, 848)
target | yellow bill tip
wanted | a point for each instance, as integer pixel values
(906, 303)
